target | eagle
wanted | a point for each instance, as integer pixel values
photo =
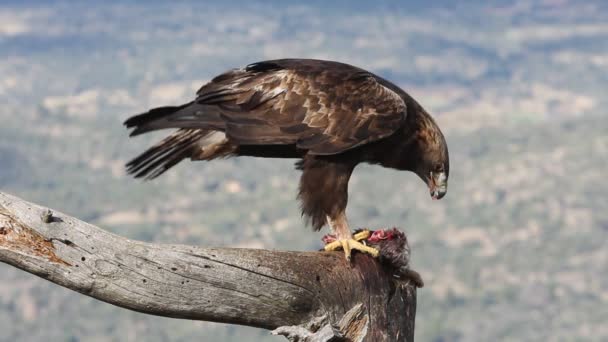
(328, 115)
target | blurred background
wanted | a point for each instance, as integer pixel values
(517, 250)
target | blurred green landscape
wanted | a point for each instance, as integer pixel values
(517, 250)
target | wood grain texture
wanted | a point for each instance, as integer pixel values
(260, 288)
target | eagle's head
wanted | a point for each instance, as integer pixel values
(433, 165)
(436, 177)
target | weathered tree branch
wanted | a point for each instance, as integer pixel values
(292, 291)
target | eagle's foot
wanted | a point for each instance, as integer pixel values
(362, 235)
(348, 245)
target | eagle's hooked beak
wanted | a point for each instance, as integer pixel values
(438, 185)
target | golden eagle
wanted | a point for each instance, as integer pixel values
(329, 115)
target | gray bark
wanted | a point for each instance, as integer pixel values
(260, 288)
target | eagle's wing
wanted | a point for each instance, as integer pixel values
(322, 107)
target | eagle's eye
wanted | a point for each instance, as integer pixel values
(438, 168)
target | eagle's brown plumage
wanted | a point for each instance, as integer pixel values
(332, 116)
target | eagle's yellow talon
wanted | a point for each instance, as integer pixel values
(346, 248)
(332, 246)
(362, 235)
(348, 245)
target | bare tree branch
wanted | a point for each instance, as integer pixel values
(260, 288)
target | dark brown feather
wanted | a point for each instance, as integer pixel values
(323, 188)
(323, 107)
(167, 153)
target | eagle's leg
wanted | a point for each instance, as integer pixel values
(347, 241)
(324, 194)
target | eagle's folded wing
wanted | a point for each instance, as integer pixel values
(320, 109)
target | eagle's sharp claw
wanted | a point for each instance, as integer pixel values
(348, 245)
(346, 248)
(362, 235)
(332, 246)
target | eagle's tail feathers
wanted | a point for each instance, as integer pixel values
(157, 118)
(159, 158)
(191, 115)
